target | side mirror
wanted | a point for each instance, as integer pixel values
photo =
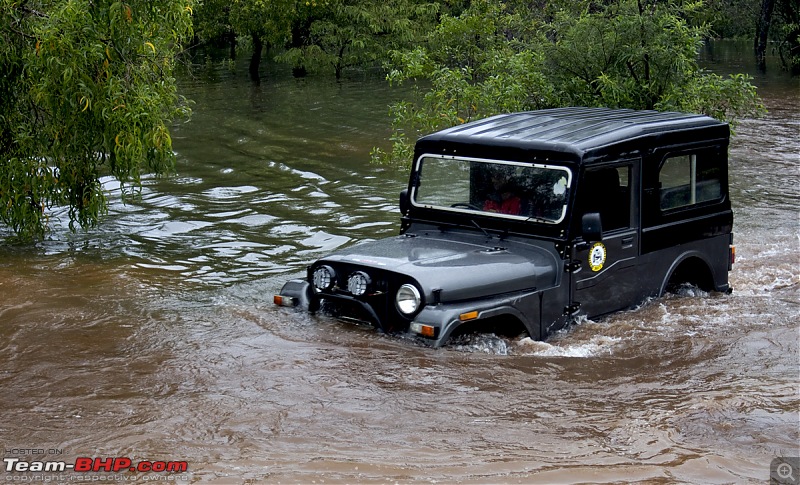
(405, 203)
(592, 227)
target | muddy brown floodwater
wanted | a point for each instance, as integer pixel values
(154, 336)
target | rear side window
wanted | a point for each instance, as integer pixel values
(688, 179)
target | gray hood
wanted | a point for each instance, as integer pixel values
(463, 265)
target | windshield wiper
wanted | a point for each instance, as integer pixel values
(479, 227)
(538, 219)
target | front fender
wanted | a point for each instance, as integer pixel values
(446, 318)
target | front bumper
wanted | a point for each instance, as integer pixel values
(434, 323)
(297, 293)
(371, 308)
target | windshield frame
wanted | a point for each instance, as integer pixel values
(419, 175)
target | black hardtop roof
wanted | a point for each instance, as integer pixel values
(575, 131)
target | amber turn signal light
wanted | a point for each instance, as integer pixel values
(468, 316)
(284, 300)
(424, 330)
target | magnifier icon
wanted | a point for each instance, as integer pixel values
(785, 471)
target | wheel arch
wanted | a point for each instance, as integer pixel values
(504, 320)
(690, 267)
(506, 324)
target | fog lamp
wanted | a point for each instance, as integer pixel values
(358, 283)
(323, 278)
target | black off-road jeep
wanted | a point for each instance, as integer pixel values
(525, 221)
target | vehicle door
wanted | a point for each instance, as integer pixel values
(603, 273)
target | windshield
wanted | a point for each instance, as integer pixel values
(523, 191)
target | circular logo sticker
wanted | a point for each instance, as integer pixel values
(597, 256)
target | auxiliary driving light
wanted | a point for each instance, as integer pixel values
(407, 299)
(358, 283)
(324, 277)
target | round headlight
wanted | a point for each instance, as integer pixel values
(323, 278)
(407, 299)
(357, 283)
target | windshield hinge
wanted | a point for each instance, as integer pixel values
(572, 267)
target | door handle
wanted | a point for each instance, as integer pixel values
(627, 242)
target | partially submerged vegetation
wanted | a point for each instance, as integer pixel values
(88, 87)
(86, 90)
(494, 59)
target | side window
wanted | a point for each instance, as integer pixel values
(690, 178)
(607, 190)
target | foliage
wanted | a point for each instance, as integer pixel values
(642, 56)
(632, 59)
(743, 19)
(732, 19)
(471, 66)
(212, 23)
(627, 54)
(788, 34)
(336, 34)
(269, 19)
(326, 35)
(263, 22)
(87, 90)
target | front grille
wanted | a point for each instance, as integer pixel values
(375, 306)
